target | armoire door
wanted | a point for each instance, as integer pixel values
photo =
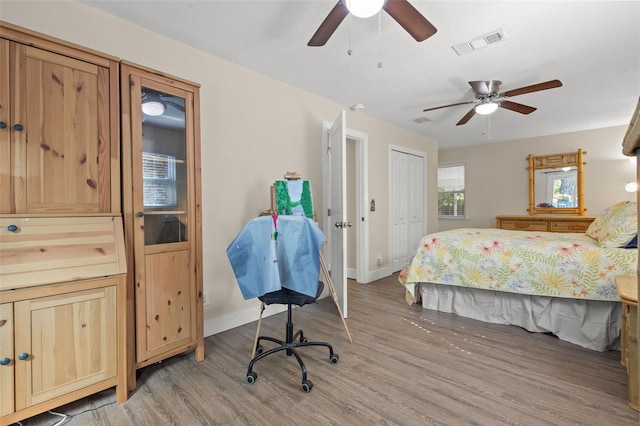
(59, 124)
(162, 220)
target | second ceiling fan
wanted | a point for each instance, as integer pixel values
(489, 98)
(401, 10)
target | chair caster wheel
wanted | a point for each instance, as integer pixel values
(334, 358)
(251, 377)
(259, 349)
(307, 386)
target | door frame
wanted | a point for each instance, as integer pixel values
(361, 140)
(423, 156)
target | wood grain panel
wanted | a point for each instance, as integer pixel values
(170, 301)
(50, 250)
(84, 324)
(5, 133)
(6, 351)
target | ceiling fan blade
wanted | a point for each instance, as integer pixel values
(175, 105)
(410, 19)
(466, 117)
(551, 84)
(480, 87)
(513, 106)
(329, 25)
(447, 106)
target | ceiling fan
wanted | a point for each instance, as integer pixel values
(155, 103)
(401, 10)
(489, 98)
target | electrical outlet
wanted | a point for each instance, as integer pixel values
(205, 298)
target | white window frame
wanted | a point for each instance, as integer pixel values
(454, 192)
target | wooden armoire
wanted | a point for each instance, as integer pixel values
(162, 214)
(100, 222)
(62, 259)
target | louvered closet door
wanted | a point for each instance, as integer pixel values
(407, 199)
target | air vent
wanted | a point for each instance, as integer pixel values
(478, 43)
(421, 120)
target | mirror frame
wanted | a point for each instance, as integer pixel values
(551, 162)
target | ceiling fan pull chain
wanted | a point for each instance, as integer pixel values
(379, 40)
(349, 52)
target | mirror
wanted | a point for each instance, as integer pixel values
(556, 183)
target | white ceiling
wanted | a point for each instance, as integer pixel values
(593, 47)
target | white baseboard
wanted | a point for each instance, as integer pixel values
(378, 273)
(215, 325)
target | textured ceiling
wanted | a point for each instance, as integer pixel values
(593, 47)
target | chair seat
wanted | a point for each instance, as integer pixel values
(284, 296)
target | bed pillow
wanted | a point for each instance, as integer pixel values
(621, 227)
(595, 228)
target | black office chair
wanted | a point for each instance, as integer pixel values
(292, 341)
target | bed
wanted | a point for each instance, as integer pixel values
(559, 283)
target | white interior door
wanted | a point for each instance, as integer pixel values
(337, 215)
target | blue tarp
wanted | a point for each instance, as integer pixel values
(271, 253)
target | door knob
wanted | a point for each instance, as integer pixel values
(5, 361)
(18, 127)
(140, 214)
(3, 125)
(23, 356)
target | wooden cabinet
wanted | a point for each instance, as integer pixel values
(628, 292)
(59, 149)
(161, 204)
(577, 224)
(62, 316)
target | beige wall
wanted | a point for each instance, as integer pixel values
(497, 179)
(254, 129)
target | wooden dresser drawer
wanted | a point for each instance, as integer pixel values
(572, 226)
(524, 225)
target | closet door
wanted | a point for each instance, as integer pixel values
(407, 200)
(164, 224)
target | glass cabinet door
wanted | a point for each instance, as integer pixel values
(164, 167)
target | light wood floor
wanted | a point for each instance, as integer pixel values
(407, 366)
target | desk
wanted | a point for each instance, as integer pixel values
(628, 293)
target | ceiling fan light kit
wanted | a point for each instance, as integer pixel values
(364, 8)
(153, 108)
(486, 108)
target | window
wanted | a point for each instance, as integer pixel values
(451, 191)
(159, 180)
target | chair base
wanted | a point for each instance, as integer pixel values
(292, 342)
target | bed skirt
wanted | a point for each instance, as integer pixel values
(592, 324)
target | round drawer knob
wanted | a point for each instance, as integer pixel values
(23, 356)
(12, 228)
(18, 127)
(3, 125)
(5, 361)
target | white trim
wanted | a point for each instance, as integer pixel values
(235, 319)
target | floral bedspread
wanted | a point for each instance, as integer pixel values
(536, 263)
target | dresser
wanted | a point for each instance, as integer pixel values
(628, 293)
(544, 223)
